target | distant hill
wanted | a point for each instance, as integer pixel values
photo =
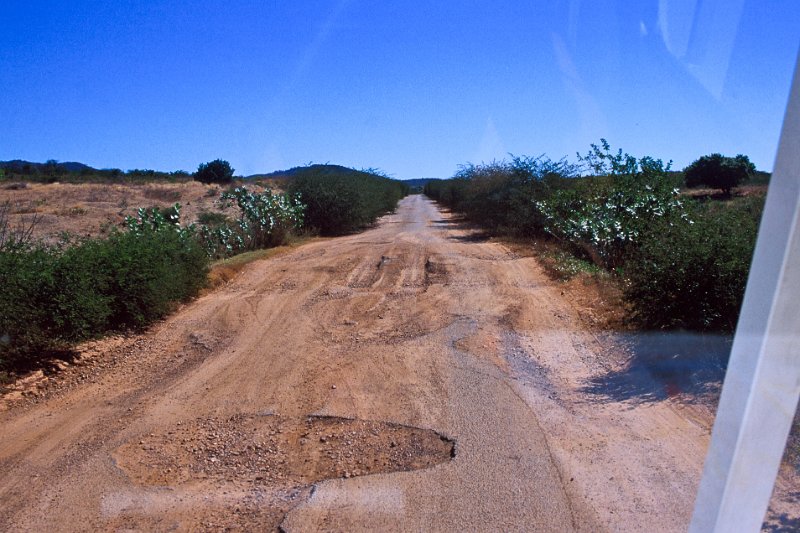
(295, 171)
(74, 172)
(419, 183)
(20, 166)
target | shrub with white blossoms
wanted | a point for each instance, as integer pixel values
(155, 220)
(265, 219)
(607, 220)
(221, 241)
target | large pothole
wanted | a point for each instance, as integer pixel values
(252, 455)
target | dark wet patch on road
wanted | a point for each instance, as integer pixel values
(664, 365)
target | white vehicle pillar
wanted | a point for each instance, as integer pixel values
(762, 383)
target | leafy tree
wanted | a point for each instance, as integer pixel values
(217, 171)
(51, 169)
(51, 166)
(601, 161)
(719, 172)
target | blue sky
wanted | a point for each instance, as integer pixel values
(413, 88)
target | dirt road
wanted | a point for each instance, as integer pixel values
(411, 377)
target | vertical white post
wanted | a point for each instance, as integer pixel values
(762, 384)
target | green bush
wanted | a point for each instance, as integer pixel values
(340, 200)
(684, 264)
(27, 323)
(217, 171)
(147, 274)
(692, 274)
(212, 219)
(502, 196)
(719, 172)
(55, 296)
(450, 192)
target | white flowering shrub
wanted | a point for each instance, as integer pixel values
(265, 219)
(608, 216)
(682, 263)
(607, 225)
(154, 220)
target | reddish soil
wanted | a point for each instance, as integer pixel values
(411, 377)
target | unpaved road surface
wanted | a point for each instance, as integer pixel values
(411, 377)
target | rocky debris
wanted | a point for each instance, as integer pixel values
(30, 386)
(198, 340)
(252, 469)
(269, 449)
(31, 380)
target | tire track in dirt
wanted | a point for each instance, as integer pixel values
(416, 332)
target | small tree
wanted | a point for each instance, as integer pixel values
(719, 172)
(51, 169)
(217, 171)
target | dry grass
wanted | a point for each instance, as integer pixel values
(76, 210)
(715, 194)
(94, 209)
(162, 193)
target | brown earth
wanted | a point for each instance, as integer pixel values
(93, 209)
(412, 377)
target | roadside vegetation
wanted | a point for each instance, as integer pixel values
(340, 201)
(682, 262)
(56, 295)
